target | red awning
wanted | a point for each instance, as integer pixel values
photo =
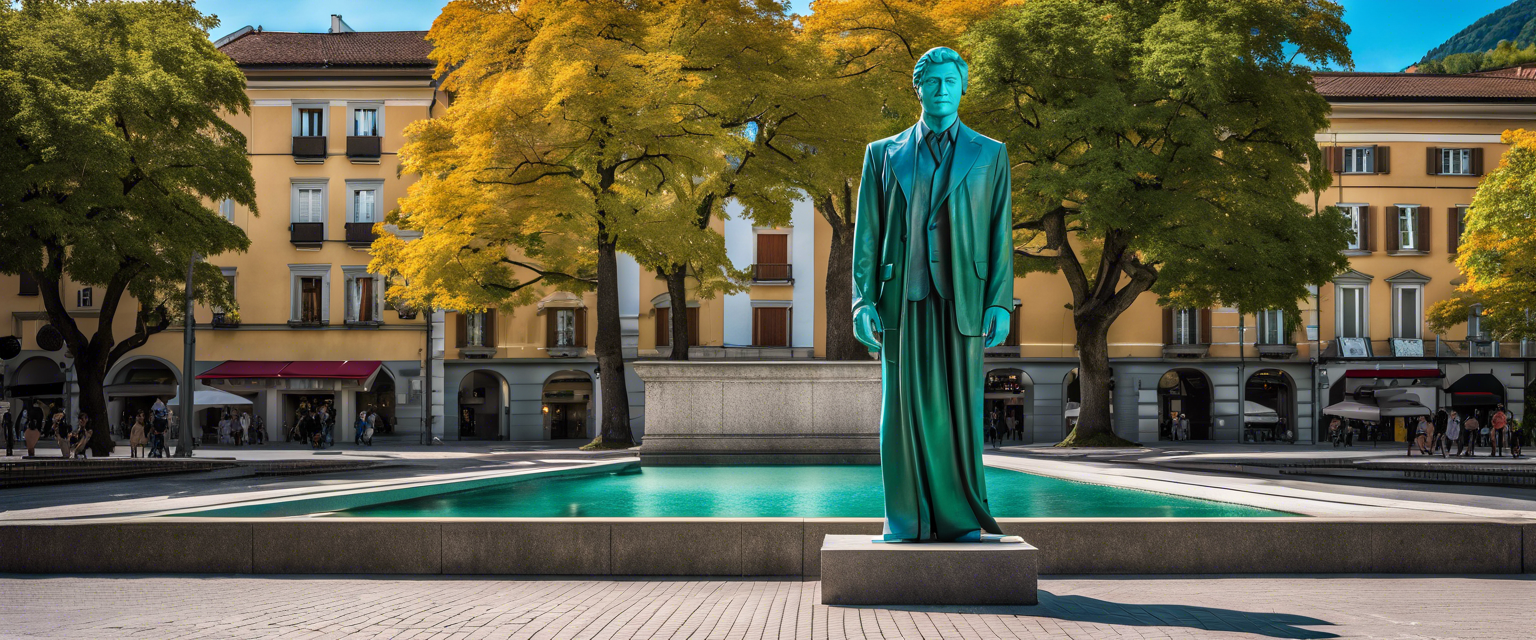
(330, 369)
(1393, 373)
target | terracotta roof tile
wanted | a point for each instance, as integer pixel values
(356, 49)
(1410, 87)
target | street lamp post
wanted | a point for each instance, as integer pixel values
(188, 363)
(426, 382)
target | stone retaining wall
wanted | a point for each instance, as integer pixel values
(745, 547)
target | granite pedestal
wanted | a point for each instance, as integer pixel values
(856, 570)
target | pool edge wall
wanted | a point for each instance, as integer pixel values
(744, 547)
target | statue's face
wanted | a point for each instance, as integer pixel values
(940, 89)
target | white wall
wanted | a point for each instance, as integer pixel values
(802, 254)
(738, 247)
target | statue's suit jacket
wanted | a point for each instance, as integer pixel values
(979, 193)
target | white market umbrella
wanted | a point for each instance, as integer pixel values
(1258, 413)
(207, 398)
(1354, 410)
(1403, 407)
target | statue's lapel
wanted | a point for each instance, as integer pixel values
(967, 150)
(903, 160)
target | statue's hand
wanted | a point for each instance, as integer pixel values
(866, 323)
(994, 326)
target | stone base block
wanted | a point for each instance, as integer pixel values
(856, 570)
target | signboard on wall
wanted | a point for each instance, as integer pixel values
(1407, 347)
(1354, 348)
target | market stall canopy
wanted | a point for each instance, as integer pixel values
(1259, 413)
(1403, 406)
(1353, 410)
(1476, 390)
(205, 397)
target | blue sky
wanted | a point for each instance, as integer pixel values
(1388, 34)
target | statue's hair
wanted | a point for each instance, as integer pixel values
(941, 55)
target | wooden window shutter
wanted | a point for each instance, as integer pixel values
(1366, 214)
(1477, 161)
(1167, 325)
(693, 326)
(663, 327)
(1433, 166)
(460, 329)
(1453, 218)
(1394, 232)
(1383, 158)
(488, 334)
(1335, 159)
(1205, 327)
(581, 328)
(1424, 217)
(551, 328)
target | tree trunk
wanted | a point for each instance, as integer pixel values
(91, 375)
(1095, 425)
(841, 344)
(614, 431)
(677, 293)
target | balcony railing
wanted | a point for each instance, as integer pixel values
(309, 146)
(307, 233)
(363, 147)
(770, 272)
(360, 234)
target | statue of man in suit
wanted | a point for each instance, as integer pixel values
(932, 288)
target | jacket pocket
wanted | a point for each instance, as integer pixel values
(886, 271)
(981, 269)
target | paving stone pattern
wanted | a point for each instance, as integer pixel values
(417, 609)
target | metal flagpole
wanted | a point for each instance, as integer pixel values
(188, 362)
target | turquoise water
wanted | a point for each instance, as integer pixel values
(781, 491)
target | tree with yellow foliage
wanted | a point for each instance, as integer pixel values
(578, 129)
(1497, 257)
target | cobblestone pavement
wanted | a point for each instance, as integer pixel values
(411, 608)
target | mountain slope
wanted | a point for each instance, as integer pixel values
(1516, 22)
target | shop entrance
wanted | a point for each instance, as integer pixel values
(1269, 407)
(380, 399)
(1008, 395)
(482, 394)
(566, 398)
(1187, 392)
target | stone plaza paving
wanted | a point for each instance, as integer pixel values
(472, 608)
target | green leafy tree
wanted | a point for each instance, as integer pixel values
(1160, 146)
(113, 113)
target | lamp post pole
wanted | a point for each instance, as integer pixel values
(426, 383)
(188, 362)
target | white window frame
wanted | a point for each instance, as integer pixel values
(1359, 160)
(85, 298)
(356, 186)
(565, 327)
(297, 185)
(376, 107)
(474, 330)
(323, 106)
(351, 275)
(295, 305)
(1354, 213)
(227, 209)
(1408, 228)
(1398, 312)
(1456, 162)
(1186, 326)
(1363, 310)
(1271, 326)
(231, 276)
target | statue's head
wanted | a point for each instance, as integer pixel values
(940, 78)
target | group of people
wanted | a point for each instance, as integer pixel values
(149, 429)
(1177, 426)
(40, 421)
(368, 421)
(314, 422)
(239, 428)
(1498, 430)
(1003, 427)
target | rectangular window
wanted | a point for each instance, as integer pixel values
(227, 209)
(83, 297)
(772, 257)
(365, 122)
(365, 205)
(1351, 312)
(565, 327)
(1456, 162)
(362, 299)
(1272, 327)
(1408, 228)
(27, 285)
(1353, 213)
(1359, 160)
(311, 302)
(1407, 312)
(309, 205)
(311, 122)
(1186, 326)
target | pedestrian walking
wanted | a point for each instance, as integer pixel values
(1453, 432)
(1012, 427)
(260, 425)
(1421, 434)
(1498, 423)
(1438, 441)
(1183, 427)
(359, 427)
(245, 427)
(80, 438)
(60, 430)
(137, 437)
(33, 434)
(1473, 431)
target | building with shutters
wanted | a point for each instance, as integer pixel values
(324, 129)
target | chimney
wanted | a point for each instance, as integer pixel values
(338, 26)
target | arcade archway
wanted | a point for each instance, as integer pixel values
(1186, 392)
(566, 403)
(1269, 407)
(1009, 394)
(482, 401)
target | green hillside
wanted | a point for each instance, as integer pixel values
(1516, 23)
